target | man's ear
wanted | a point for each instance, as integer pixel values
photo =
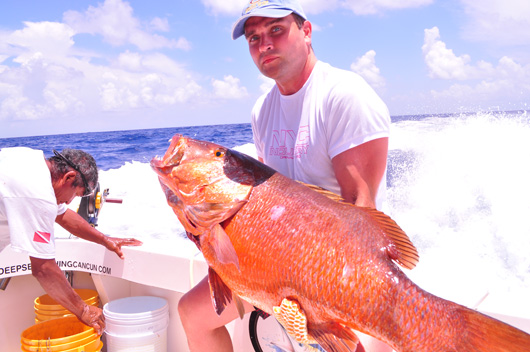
(69, 177)
(308, 31)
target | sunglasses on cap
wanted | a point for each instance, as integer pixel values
(88, 190)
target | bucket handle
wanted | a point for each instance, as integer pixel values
(47, 344)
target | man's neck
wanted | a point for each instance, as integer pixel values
(296, 84)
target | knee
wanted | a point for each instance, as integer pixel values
(185, 307)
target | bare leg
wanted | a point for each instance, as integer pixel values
(204, 329)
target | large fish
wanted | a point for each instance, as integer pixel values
(304, 257)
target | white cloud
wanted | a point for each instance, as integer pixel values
(43, 75)
(138, 80)
(488, 84)
(374, 7)
(235, 7)
(503, 22)
(160, 24)
(359, 7)
(443, 63)
(226, 7)
(51, 39)
(42, 88)
(318, 6)
(365, 66)
(114, 20)
(51, 81)
(266, 84)
(229, 88)
(122, 91)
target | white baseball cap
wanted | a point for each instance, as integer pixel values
(266, 8)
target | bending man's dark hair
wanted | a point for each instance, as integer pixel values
(84, 161)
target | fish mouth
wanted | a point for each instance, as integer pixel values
(172, 157)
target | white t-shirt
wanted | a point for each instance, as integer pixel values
(299, 134)
(28, 206)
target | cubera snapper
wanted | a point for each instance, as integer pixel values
(312, 260)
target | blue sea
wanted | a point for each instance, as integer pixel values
(113, 149)
(457, 185)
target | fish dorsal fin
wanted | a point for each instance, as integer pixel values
(324, 192)
(402, 250)
(222, 246)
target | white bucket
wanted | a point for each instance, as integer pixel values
(136, 324)
(156, 342)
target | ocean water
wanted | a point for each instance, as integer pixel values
(113, 150)
(457, 185)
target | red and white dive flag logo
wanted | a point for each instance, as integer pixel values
(42, 237)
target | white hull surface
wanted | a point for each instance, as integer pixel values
(165, 271)
(144, 272)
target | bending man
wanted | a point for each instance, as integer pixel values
(34, 192)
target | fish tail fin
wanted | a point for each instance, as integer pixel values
(485, 333)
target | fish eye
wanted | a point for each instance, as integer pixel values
(219, 153)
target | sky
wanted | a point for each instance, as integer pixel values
(88, 66)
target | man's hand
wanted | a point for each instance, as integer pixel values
(114, 244)
(93, 317)
(53, 281)
(76, 225)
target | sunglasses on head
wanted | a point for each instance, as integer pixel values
(88, 190)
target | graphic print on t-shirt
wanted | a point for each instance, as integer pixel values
(286, 145)
(41, 236)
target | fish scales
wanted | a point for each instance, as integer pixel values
(362, 294)
(267, 238)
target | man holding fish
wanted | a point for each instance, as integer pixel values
(318, 124)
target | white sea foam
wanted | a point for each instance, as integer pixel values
(463, 198)
(460, 189)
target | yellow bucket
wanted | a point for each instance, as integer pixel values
(56, 332)
(47, 308)
(45, 302)
(53, 313)
(44, 317)
(88, 344)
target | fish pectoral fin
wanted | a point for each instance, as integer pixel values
(293, 319)
(220, 293)
(335, 337)
(222, 246)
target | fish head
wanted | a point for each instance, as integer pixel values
(204, 183)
